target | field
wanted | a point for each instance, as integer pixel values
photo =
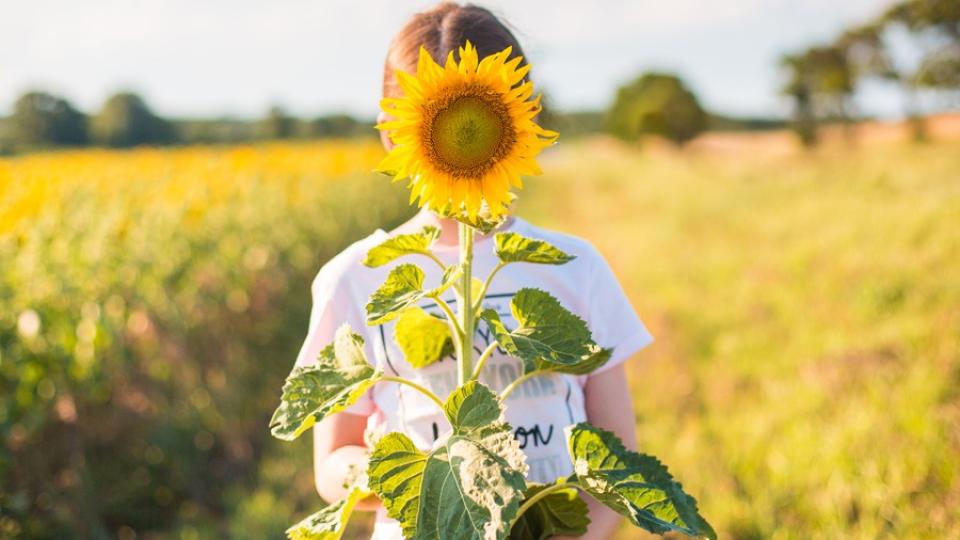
(806, 307)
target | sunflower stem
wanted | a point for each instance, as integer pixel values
(527, 504)
(478, 302)
(483, 360)
(465, 305)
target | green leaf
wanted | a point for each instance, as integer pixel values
(402, 244)
(423, 338)
(469, 487)
(635, 485)
(484, 221)
(598, 357)
(451, 276)
(469, 491)
(395, 470)
(547, 332)
(472, 406)
(330, 522)
(512, 247)
(561, 513)
(402, 289)
(338, 379)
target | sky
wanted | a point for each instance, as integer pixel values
(239, 57)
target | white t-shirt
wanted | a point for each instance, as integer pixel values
(541, 407)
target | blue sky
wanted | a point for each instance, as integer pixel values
(236, 57)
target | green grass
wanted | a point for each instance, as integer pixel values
(807, 313)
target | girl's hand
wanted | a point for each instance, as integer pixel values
(338, 452)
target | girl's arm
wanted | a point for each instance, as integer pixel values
(610, 407)
(338, 448)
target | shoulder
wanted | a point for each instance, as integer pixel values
(346, 266)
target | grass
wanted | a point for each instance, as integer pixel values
(807, 315)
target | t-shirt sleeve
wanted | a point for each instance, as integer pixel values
(612, 320)
(332, 307)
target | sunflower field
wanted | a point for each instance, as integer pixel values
(806, 308)
(153, 301)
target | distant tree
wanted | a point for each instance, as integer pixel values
(214, 130)
(336, 126)
(125, 120)
(934, 27)
(42, 119)
(277, 124)
(569, 124)
(821, 84)
(659, 104)
(799, 88)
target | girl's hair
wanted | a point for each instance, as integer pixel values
(442, 29)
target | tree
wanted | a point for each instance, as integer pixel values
(336, 126)
(125, 120)
(821, 84)
(798, 87)
(934, 27)
(42, 119)
(659, 104)
(277, 124)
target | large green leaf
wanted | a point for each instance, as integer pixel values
(423, 338)
(469, 487)
(512, 247)
(548, 335)
(330, 522)
(338, 379)
(402, 244)
(562, 512)
(402, 289)
(635, 485)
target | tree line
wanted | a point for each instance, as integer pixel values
(822, 80)
(654, 103)
(43, 120)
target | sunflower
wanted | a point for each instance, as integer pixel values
(464, 132)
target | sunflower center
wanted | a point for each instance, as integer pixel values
(468, 133)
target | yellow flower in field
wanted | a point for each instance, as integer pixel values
(464, 133)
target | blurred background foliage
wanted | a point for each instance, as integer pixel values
(804, 379)
(152, 303)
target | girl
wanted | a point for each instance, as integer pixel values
(541, 408)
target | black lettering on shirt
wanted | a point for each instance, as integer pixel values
(525, 436)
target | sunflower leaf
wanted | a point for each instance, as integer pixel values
(330, 522)
(450, 278)
(472, 406)
(338, 379)
(470, 486)
(395, 470)
(423, 338)
(588, 364)
(484, 221)
(561, 513)
(634, 485)
(512, 247)
(402, 289)
(548, 336)
(402, 244)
